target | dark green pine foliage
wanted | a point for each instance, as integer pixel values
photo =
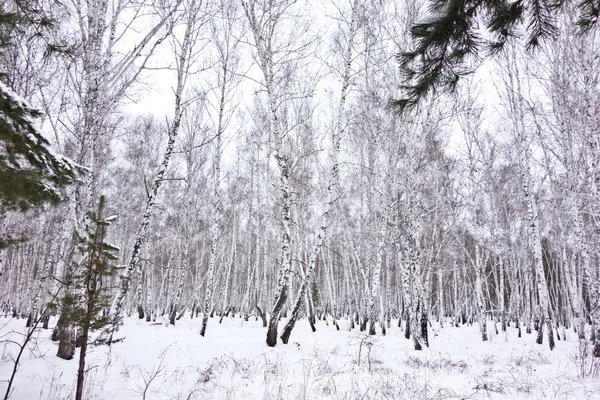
(447, 44)
(589, 13)
(87, 300)
(30, 174)
(93, 275)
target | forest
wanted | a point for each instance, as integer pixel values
(252, 174)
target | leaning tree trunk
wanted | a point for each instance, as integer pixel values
(333, 177)
(142, 233)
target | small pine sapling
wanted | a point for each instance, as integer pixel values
(87, 305)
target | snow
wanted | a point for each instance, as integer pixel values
(233, 362)
(20, 101)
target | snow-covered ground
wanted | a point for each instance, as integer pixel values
(233, 362)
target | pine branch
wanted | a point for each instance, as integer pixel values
(541, 24)
(444, 41)
(589, 11)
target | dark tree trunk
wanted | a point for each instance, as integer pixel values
(550, 333)
(82, 354)
(45, 320)
(66, 344)
(372, 328)
(363, 324)
(262, 315)
(311, 322)
(424, 334)
(540, 333)
(172, 316)
(274, 320)
(79, 339)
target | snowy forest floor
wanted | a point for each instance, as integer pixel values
(233, 362)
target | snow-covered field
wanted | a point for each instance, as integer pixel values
(233, 362)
